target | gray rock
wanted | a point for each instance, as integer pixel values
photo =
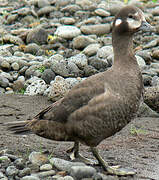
(140, 61)
(7, 75)
(4, 159)
(73, 68)
(4, 82)
(48, 75)
(11, 171)
(71, 8)
(60, 68)
(155, 11)
(43, 3)
(3, 177)
(45, 10)
(13, 39)
(67, 32)
(91, 49)
(19, 163)
(98, 29)
(104, 52)
(30, 71)
(151, 44)
(155, 54)
(145, 111)
(80, 172)
(38, 36)
(37, 158)
(67, 20)
(98, 63)
(146, 79)
(5, 65)
(112, 6)
(15, 66)
(58, 89)
(24, 172)
(30, 178)
(145, 55)
(32, 48)
(155, 81)
(80, 60)
(82, 41)
(45, 174)
(73, 81)
(64, 165)
(100, 176)
(89, 71)
(2, 90)
(102, 12)
(36, 88)
(68, 178)
(11, 18)
(45, 167)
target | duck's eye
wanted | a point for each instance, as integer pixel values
(130, 16)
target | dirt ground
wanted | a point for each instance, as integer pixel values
(136, 146)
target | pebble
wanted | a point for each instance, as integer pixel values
(98, 29)
(91, 49)
(64, 165)
(37, 158)
(67, 32)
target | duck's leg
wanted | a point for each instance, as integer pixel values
(74, 154)
(116, 170)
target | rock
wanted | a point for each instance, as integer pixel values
(89, 71)
(67, 20)
(3, 177)
(80, 172)
(45, 167)
(64, 165)
(11, 171)
(67, 32)
(155, 81)
(30, 178)
(100, 176)
(151, 97)
(46, 10)
(155, 54)
(43, 3)
(58, 89)
(82, 41)
(71, 8)
(98, 63)
(102, 12)
(11, 18)
(98, 29)
(38, 36)
(24, 172)
(19, 163)
(145, 111)
(140, 61)
(12, 39)
(7, 75)
(80, 60)
(4, 82)
(73, 68)
(48, 75)
(73, 81)
(15, 66)
(111, 6)
(60, 68)
(146, 79)
(2, 90)
(36, 88)
(45, 174)
(32, 48)
(145, 55)
(37, 158)
(4, 159)
(91, 49)
(155, 11)
(104, 52)
(5, 65)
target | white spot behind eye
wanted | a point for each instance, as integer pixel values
(118, 22)
(133, 24)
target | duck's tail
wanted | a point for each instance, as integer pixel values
(18, 127)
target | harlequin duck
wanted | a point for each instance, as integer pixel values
(102, 104)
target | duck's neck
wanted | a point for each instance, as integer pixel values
(123, 49)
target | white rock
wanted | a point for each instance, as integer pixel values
(80, 60)
(67, 32)
(140, 61)
(36, 88)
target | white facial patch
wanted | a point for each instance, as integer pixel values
(118, 22)
(133, 24)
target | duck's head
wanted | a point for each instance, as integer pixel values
(130, 19)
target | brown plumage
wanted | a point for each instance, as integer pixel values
(104, 103)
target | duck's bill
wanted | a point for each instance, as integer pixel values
(145, 26)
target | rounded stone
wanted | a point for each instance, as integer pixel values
(45, 167)
(4, 82)
(48, 75)
(5, 65)
(32, 48)
(38, 36)
(91, 49)
(67, 32)
(11, 171)
(37, 158)
(15, 66)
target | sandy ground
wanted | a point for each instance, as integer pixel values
(136, 146)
